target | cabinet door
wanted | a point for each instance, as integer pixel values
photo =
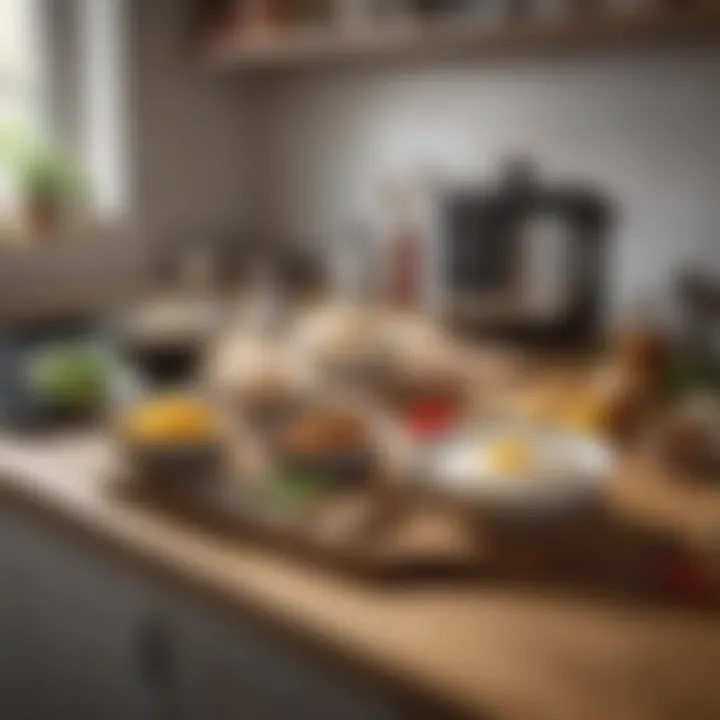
(84, 617)
(13, 620)
(227, 670)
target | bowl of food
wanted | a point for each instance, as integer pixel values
(348, 342)
(333, 444)
(167, 340)
(522, 470)
(172, 439)
(257, 380)
(70, 381)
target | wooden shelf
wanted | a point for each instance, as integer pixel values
(329, 47)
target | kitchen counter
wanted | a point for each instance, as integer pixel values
(475, 649)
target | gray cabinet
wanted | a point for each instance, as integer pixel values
(85, 637)
(228, 669)
(12, 621)
(75, 624)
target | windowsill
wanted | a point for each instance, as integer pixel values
(15, 235)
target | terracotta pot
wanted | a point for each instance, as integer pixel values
(43, 216)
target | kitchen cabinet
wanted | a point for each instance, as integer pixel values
(84, 636)
(12, 657)
(79, 627)
(226, 670)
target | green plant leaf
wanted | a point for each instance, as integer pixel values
(42, 170)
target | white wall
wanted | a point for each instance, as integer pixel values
(645, 127)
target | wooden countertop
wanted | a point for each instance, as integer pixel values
(481, 649)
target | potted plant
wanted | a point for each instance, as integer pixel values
(49, 183)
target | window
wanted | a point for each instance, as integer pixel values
(89, 171)
(20, 77)
(21, 96)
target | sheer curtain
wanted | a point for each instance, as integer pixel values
(103, 118)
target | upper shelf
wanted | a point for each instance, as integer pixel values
(332, 46)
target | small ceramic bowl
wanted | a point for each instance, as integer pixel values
(175, 464)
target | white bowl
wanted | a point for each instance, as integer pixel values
(571, 470)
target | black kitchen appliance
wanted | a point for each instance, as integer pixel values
(525, 260)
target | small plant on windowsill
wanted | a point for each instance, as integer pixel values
(50, 186)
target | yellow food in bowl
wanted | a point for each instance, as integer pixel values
(510, 456)
(170, 419)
